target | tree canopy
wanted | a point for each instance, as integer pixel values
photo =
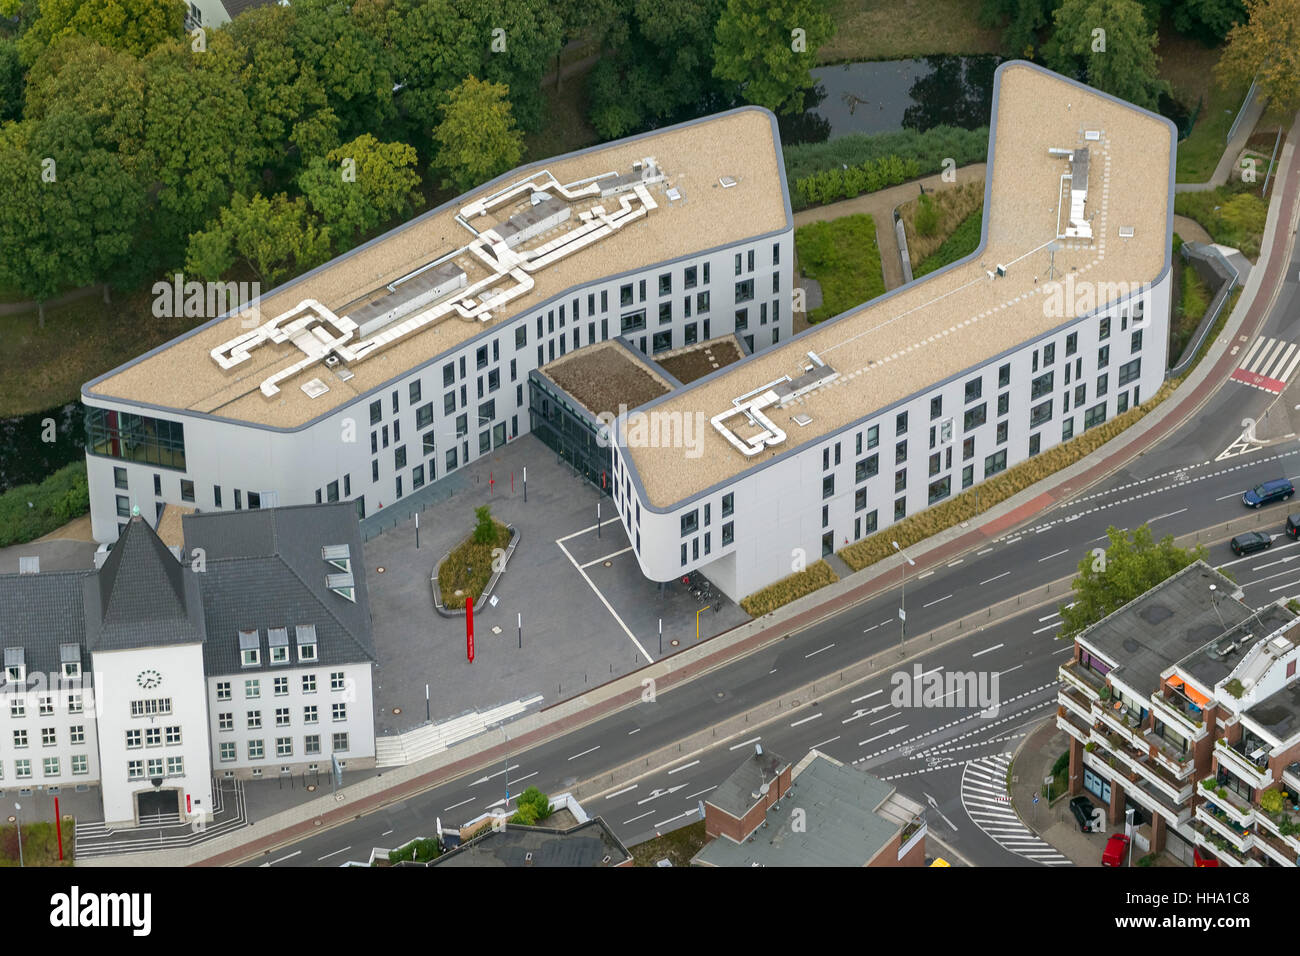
(477, 137)
(1110, 45)
(1130, 566)
(766, 47)
(361, 185)
(1268, 42)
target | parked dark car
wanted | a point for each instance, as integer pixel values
(1248, 542)
(1293, 526)
(1081, 807)
(1279, 489)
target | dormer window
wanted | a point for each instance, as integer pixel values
(338, 555)
(70, 660)
(249, 649)
(278, 640)
(306, 637)
(15, 665)
(342, 585)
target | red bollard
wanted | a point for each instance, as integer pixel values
(469, 629)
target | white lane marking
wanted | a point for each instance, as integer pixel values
(335, 853)
(585, 752)
(924, 575)
(1169, 515)
(805, 720)
(683, 767)
(883, 719)
(455, 805)
(825, 742)
(992, 579)
(858, 700)
(698, 793)
(292, 855)
(1050, 627)
(606, 557)
(631, 732)
(745, 743)
(818, 651)
(987, 650)
(871, 628)
(939, 601)
(1048, 617)
(619, 793)
(635, 819)
(1012, 540)
(985, 551)
(887, 733)
(1050, 556)
(656, 793)
(386, 832)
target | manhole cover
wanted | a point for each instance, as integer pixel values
(673, 643)
(720, 694)
(311, 788)
(397, 710)
(609, 564)
(315, 823)
(379, 570)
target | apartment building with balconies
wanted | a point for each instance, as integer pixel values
(1182, 706)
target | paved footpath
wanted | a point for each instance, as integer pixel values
(402, 783)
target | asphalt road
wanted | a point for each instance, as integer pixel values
(1190, 481)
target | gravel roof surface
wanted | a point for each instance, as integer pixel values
(605, 375)
(182, 375)
(958, 319)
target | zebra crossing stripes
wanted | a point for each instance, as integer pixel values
(1268, 364)
(984, 798)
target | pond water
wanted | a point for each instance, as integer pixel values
(893, 95)
(25, 457)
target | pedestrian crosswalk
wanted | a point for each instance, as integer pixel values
(985, 799)
(1268, 364)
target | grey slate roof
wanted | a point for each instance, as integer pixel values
(38, 612)
(841, 826)
(264, 570)
(739, 792)
(141, 597)
(587, 844)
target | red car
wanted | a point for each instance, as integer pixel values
(1116, 847)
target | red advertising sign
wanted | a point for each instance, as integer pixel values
(469, 629)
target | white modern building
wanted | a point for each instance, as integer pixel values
(1057, 323)
(251, 655)
(405, 359)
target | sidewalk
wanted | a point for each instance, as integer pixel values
(1231, 150)
(534, 728)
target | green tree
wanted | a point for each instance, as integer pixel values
(133, 26)
(361, 185)
(433, 47)
(485, 529)
(757, 49)
(274, 237)
(533, 805)
(11, 80)
(1022, 22)
(1131, 565)
(1109, 45)
(477, 138)
(1267, 43)
(530, 39)
(70, 209)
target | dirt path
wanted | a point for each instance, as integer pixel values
(1189, 230)
(880, 206)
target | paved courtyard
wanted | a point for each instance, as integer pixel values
(588, 613)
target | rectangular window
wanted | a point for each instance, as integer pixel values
(1035, 444)
(1071, 344)
(1040, 414)
(1049, 354)
(254, 719)
(1067, 429)
(995, 463)
(1104, 329)
(975, 417)
(338, 712)
(968, 476)
(728, 504)
(310, 714)
(632, 321)
(256, 750)
(223, 690)
(828, 487)
(900, 423)
(1002, 433)
(690, 523)
(1130, 372)
(974, 389)
(866, 468)
(1004, 403)
(900, 509)
(1041, 385)
(1102, 385)
(745, 290)
(900, 480)
(968, 449)
(936, 407)
(900, 452)
(1094, 416)
(873, 437)
(1080, 394)
(187, 490)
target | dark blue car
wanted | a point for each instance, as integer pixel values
(1280, 489)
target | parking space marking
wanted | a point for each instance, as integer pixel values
(608, 607)
(606, 557)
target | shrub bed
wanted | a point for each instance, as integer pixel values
(418, 851)
(961, 242)
(928, 149)
(1233, 215)
(815, 576)
(993, 490)
(54, 502)
(831, 185)
(468, 567)
(842, 255)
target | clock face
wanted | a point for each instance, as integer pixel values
(148, 679)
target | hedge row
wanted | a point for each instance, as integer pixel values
(28, 512)
(418, 851)
(993, 490)
(930, 149)
(788, 589)
(831, 185)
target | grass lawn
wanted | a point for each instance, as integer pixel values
(952, 208)
(83, 339)
(678, 846)
(899, 29)
(468, 567)
(961, 243)
(842, 255)
(40, 844)
(1233, 215)
(1200, 152)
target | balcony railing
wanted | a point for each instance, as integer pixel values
(1075, 699)
(1174, 759)
(1177, 710)
(1276, 847)
(1083, 678)
(1227, 801)
(1242, 765)
(1219, 844)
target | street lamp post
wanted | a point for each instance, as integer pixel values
(902, 604)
